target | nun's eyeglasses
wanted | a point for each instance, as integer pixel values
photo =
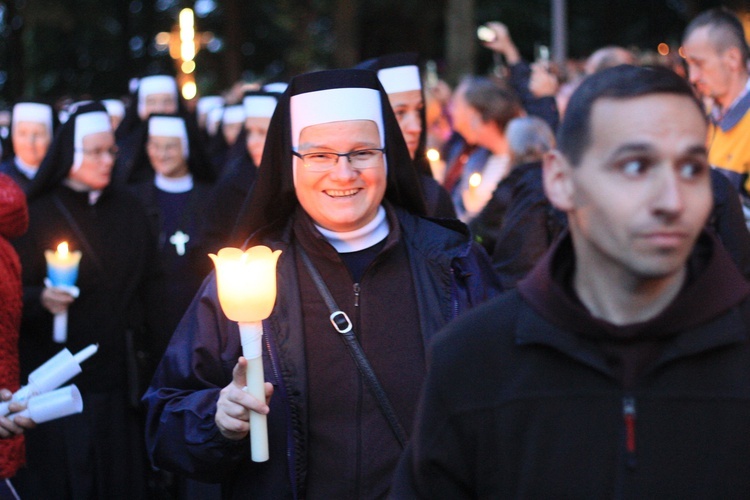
(98, 153)
(358, 159)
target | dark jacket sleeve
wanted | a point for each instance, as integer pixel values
(543, 107)
(530, 226)
(728, 221)
(181, 434)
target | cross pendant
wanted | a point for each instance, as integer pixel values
(178, 239)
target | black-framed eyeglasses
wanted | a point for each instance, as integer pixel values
(359, 159)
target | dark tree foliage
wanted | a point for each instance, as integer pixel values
(79, 48)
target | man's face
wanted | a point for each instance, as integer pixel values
(98, 159)
(709, 70)
(30, 142)
(167, 156)
(162, 103)
(343, 198)
(257, 129)
(407, 106)
(641, 193)
(464, 116)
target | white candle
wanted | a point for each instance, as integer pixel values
(436, 164)
(85, 353)
(246, 284)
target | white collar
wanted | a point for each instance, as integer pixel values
(368, 235)
(180, 185)
(25, 168)
(80, 187)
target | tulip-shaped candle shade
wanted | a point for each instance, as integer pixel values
(62, 272)
(246, 283)
(62, 265)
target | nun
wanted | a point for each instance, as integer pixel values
(153, 94)
(338, 194)
(31, 134)
(98, 453)
(229, 128)
(399, 74)
(176, 182)
(240, 173)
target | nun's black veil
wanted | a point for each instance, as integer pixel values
(273, 200)
(59, 158)
(395, 61)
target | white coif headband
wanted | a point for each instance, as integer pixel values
(259, 106)
(33, 112)
(169, 126)
(115, 107)
(157, 84)
(335, 105)
(400, 79)
(233, 114)
(87, 124)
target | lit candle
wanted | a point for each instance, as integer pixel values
(246, 283)
(436, 164)
(62, 265)
(62, 272)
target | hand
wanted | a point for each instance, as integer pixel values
(8, 427)
(55, 300)
(503, 43)
(232, 417)
(542, 83)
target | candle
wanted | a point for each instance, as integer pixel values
(436, 164)
(62, 272)
(52, 374)
(62, 265)
(246, 284)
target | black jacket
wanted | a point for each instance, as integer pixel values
(519, 402)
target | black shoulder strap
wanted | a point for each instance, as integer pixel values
(343, 325)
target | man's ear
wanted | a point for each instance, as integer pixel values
(558, 180)
(733, 57)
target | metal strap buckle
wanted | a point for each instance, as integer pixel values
(341, 322)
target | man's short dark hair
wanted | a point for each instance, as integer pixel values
(620, 82)
(725, 30)
(494, 102)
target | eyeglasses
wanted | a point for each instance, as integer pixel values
(359, 159)
(98, 153)
(170, 148)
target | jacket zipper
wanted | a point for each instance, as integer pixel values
(276, 374)
(356, 294)
(629, 419)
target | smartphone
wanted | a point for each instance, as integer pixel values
(431, 74)
(486, 34)
(542, 55)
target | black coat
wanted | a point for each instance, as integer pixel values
(516, 405)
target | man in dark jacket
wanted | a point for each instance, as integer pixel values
(336, 184)
(620, 367)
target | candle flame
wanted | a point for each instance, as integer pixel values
(475, 179)
(62, 249)
(433, 154)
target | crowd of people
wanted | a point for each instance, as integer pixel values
(556, 305)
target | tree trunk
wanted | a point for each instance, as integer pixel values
(461, 44)
(346, 33)
(232, 70)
